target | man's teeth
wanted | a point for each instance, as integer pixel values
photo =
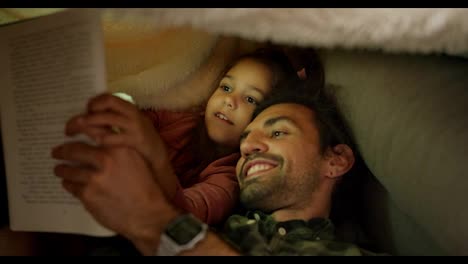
(222, 116)
(257, 168)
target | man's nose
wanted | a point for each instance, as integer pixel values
(252, 144)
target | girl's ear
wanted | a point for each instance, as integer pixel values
(338, 160)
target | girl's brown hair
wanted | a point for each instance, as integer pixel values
(272, 57)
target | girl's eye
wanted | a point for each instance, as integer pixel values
(251, 100)
(225, 88)
(276, 134)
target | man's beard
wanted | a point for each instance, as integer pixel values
(276, 191)
(262, 195)
(258, 193)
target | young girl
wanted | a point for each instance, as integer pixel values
(193, 154)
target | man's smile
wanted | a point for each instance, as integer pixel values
(258, 166)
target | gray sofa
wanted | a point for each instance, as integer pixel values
(409, 114)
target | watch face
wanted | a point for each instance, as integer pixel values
(184, 230)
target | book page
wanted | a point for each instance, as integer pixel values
(49, 68)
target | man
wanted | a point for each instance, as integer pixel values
(294, 153)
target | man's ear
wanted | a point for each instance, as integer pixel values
(338, 160)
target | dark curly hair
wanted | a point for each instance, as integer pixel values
(332, 127)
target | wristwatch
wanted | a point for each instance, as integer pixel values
(181, 234)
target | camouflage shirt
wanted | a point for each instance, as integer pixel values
(258, 234)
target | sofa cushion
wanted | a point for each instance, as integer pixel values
(409, 116)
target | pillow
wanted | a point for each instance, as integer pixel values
(409, 115)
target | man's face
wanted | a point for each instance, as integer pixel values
(280, 163)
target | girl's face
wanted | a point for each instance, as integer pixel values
(229, 109)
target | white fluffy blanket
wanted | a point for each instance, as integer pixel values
(170, 58)
(391, 30)
(421, 30)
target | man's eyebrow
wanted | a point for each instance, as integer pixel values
(270, 122)
(244, 135)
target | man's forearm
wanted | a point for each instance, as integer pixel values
(146, 238)
(212, 245)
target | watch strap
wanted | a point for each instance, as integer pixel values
(169, 247)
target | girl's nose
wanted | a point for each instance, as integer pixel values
(230, 102)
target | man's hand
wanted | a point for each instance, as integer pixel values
(115, 184)
(112, 121)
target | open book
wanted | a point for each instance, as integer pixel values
(49, 67)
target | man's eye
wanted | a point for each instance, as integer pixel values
(251, 100)
(276, 134)
(225, 88)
